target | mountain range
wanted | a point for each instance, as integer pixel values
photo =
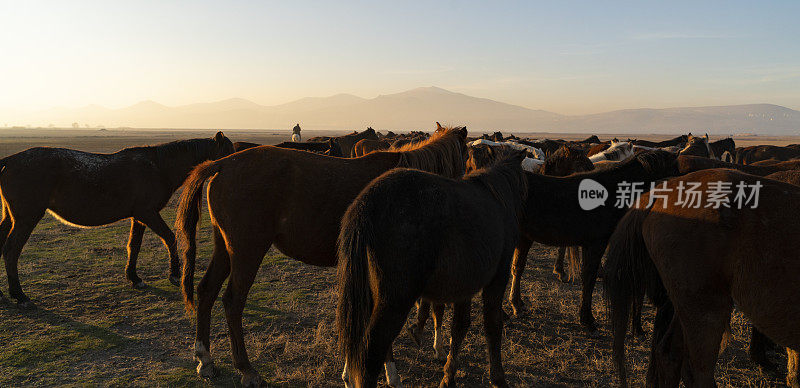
(418, 109)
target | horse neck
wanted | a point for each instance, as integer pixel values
(176, 168)
(433, 160)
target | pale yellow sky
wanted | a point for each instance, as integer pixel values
(556, 57)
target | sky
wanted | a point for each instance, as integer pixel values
(569, 57)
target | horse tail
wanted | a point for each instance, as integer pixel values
(574, 260)
(355, 304)
(186, 225)
(629, 274)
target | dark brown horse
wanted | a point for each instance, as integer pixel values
(748, 155)
(553, 216)
(688, 163)
(719, 147)
(680, 140)
(365, 146)
(563, 162)
(588, 141)
(411, 235)
(663, 250)
(347, 142)
(329, 147)
(566, 161)
(698, 146)
(243, 145)
(260, 197)
(85, 189)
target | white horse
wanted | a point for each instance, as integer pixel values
(618, 151)
(296, 133)
(532, 163)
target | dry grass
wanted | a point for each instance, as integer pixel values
(91, 328)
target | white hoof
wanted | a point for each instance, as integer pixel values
(392, 378)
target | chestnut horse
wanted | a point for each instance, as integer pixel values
(365, 146)
(86, 189)
(696, 263)
(553, 216)
(259, 197)
(412, 234)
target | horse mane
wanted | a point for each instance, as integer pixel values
(359, 135)
(504, 178)
(656, 161)
(442, 154)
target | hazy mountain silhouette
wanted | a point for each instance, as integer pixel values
(418, 109)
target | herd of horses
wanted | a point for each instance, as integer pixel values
(433, 220)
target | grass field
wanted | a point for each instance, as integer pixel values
(91, 328)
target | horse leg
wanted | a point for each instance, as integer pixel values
(758, 350)
(666, 353)
(157, 225)
(558, 266)
(458, 330)
(415, 330)
(493, 325)
(592, 255)
(207, 291)
(392, 378)
(792, 366)
(517, 267)
(636, 315)
(134, 244)
(21, 230)
(244, 267)
(386, 323)
(438, 335)
(704, 325)
(5, 228)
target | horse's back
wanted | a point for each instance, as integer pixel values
(285, 181)
(755, 257)
(82, 188)
(431, 224)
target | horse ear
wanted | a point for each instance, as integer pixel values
(520, 155)
(463, 131)
(219, 137)
(439, 126)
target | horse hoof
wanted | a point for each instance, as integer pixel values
(446, 383)
(765, 365)
(206, 370)
(412, 332)
(175, 280)
(140, 285)
(251, 379)
(500, 384)
(26, 305)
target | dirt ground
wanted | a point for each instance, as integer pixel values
(91, 328)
